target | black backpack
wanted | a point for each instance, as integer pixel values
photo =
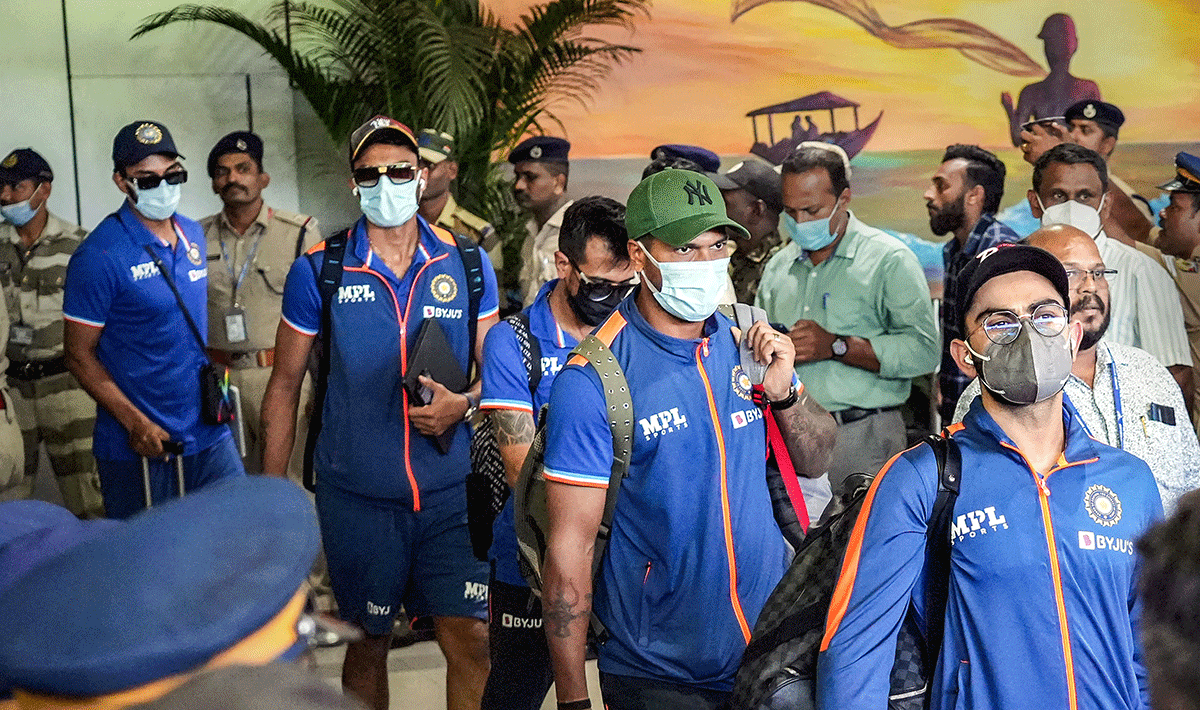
(487, 486)
(779, 668)
(328, 281)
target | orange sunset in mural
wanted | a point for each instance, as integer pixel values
(701, 71)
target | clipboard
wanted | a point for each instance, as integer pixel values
(432, 356)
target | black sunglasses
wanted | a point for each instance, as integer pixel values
(149, 182)
(399, 174)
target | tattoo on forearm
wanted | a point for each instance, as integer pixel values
(560, 613)
(810, 434)
(513, 428)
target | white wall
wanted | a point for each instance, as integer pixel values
(191, 77)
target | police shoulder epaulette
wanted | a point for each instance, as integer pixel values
(292, 218)
(1190, 266)
(479, 224)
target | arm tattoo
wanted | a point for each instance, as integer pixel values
(560, 613)
(513, 428)
(810, 434)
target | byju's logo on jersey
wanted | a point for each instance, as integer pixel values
(664, 422)
(143, 271)
(437, 312)
(1091, 541)
(376, 610)
(977, 522)
(745, 417)
(1102, 505)
(355, 294)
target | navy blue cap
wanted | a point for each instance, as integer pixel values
(1102, 113)
(160, 594)
(1003, 259)
(541, 149)
(703, 157)
(236, 142)
(25, 164)
(139, 140)
(1187, 175)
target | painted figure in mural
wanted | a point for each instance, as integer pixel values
(1051, 96)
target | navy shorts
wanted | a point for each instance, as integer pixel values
(383, 556)
(124, 492)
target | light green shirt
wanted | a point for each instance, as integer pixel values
(872, 287)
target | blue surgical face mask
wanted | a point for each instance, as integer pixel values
(157, 203)
(812, 235)
(20, 213)
(691, 290)
(388, 204)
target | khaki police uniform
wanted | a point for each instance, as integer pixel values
(1187, 279)
(12, 448)
(270, 245)
(460, 221)
(537, 253)
(50, 405)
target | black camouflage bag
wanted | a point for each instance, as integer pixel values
(779, 667)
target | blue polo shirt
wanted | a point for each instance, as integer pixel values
(695, 549)
(146, 345)
(366, 445)
(506, 386)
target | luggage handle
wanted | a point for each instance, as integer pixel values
(170, 448)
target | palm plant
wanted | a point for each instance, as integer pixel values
(447, 64)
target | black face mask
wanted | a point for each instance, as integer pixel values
(592, 303)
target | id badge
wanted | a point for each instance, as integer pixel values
(20, 334)
(235, 325)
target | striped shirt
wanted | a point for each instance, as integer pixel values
(1145, 304)
(33, 285)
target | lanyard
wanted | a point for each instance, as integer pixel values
(239, 278)
(1112, 364)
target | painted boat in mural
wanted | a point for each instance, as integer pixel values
(774, 152)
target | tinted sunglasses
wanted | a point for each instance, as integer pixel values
(399, 174)
(149, 182)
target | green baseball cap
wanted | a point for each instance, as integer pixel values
(675, 206)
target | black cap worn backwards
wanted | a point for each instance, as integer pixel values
(236, 142)
(755, 177)
(545, 149)
(1006, 259)
(25, 164)
(139, 140)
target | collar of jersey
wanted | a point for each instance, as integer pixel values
(542, 323)
(428, 246)
(138, 232)
(675, 347)
(1079, 446)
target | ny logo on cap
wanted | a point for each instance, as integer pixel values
(697, 192)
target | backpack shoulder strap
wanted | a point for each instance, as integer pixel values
(619, 404)
(472, 261)
(328, 281)
(531, 351)
(949, 460)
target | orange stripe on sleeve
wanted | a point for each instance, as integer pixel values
(845, 586)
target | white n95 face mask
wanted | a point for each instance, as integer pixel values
(1083, 217)
(691, 290)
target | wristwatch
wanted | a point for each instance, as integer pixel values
(472, 406)
(840, 347)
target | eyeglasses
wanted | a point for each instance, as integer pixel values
(1003, 327)
(1075, 277)
(399, 174)
(601, 289)
(149, 182)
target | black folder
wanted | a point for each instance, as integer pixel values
(432, 356)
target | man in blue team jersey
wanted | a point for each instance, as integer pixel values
(695, 548)
(594, 276)
(1043, 608)
(392, 505)
(127, 340)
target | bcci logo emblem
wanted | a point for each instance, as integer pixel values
(444, 288)
(193, 254)
(1102, 505)
(741, 384)
(148, 134)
